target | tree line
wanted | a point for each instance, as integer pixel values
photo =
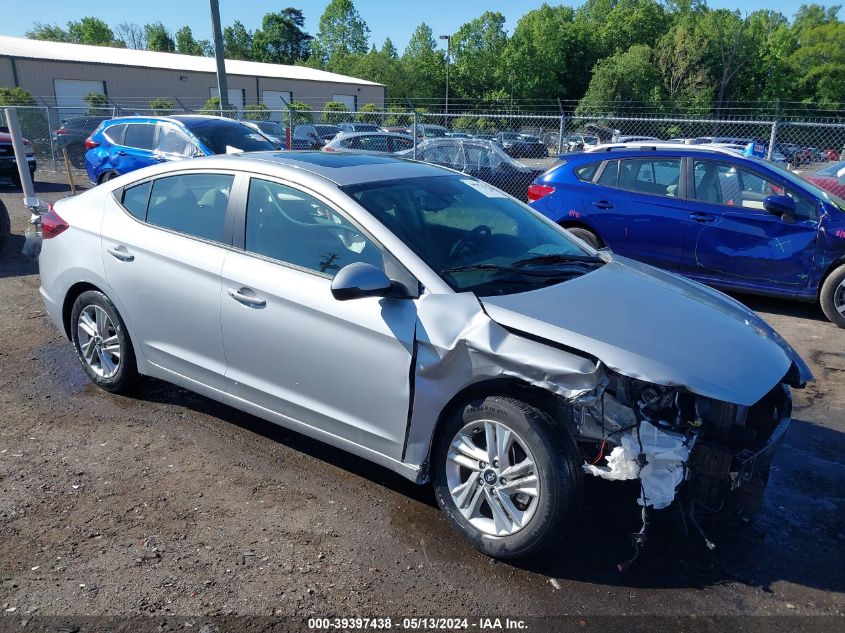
(674, 56)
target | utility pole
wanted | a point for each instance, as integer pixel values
(448, 39)
(219, 57)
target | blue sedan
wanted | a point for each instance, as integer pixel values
(727, 220)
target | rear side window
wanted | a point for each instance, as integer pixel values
(135, 199)
(193, 204)
(140, 135)
(400, 144)
(651, 176)
(586, 172)
(609, 175)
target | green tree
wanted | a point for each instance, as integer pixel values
(549, 54)
(422, 67)
(478, 47)
(186, 44)
(281, 38)
(162, 106)
(15, 97)
(335, 112)
(629, 77)
(48, 32)
(97, 103)
(342, 32)
(90, 30)
(369, 113)
(237, 41)
(397, 116)
(819, 59)
(158, 38)
(679, 56)
(632, 22)
(728, 48)
(256, 112)
(213, 106)
(300, 112)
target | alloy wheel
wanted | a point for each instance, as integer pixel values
(492, 478)
(839, 298)
(98, 341)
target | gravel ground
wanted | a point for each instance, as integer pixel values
(169, 503)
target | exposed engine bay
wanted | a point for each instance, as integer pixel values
(670, 439)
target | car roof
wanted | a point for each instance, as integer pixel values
(380, 132)
(674, 148)
(340, 168)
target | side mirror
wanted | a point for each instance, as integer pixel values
(358, 280)
(781, 206)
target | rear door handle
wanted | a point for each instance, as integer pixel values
(120, 153)
(703, 218)
(250, 299)
(603, 204)
(120, 252)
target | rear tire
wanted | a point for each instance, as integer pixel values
(5, 225)
(832, 297)
(587, 235)
(102, 343)
(533, 503)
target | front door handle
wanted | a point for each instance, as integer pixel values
(120, 252)
(703, 218)
(250, 299)
(603, 204)
(120, 153)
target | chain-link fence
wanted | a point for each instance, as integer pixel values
(506, 149)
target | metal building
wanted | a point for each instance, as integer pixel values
(60, 75)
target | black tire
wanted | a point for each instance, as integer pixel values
(558, 468)
(5, 225)
(832, 296)
(126, 376)
(587, 235)
(107, 176)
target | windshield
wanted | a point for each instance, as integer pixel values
(474, 236)
(831, 170)
(218, 135)
(271, 127)
(804, 184)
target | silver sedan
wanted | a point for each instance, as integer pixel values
(426, 321)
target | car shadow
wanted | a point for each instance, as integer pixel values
(782, 307)
(791, 539)
(13, 263)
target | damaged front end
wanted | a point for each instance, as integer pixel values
(669, 437)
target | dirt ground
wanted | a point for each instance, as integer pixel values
(168, 503)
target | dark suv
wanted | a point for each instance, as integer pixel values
(71, 136)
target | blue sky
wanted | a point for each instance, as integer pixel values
(386, 18)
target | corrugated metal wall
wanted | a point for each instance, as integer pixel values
(142, 84)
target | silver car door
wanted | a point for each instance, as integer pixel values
(338, 367)
(163, 248)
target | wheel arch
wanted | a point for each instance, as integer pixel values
(70, 297)
(833, 266)
(511, 387)
(581, 224)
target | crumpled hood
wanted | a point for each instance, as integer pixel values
(652, 325)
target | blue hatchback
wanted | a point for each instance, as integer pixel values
(727, 220)
(125, 144)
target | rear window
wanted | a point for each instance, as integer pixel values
(115, 133)
(219, 135)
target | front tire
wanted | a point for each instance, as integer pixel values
(832, 297)
(102, 343)
(506, 477)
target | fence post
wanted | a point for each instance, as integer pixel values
(774, 135)
(414, 126)
(561, 127)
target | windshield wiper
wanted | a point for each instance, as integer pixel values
(505, 269)
(558, 258)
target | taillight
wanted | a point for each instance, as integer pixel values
(52, 224)
(91, 143)
(61, 132)
(535, 192)
(328, 149)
